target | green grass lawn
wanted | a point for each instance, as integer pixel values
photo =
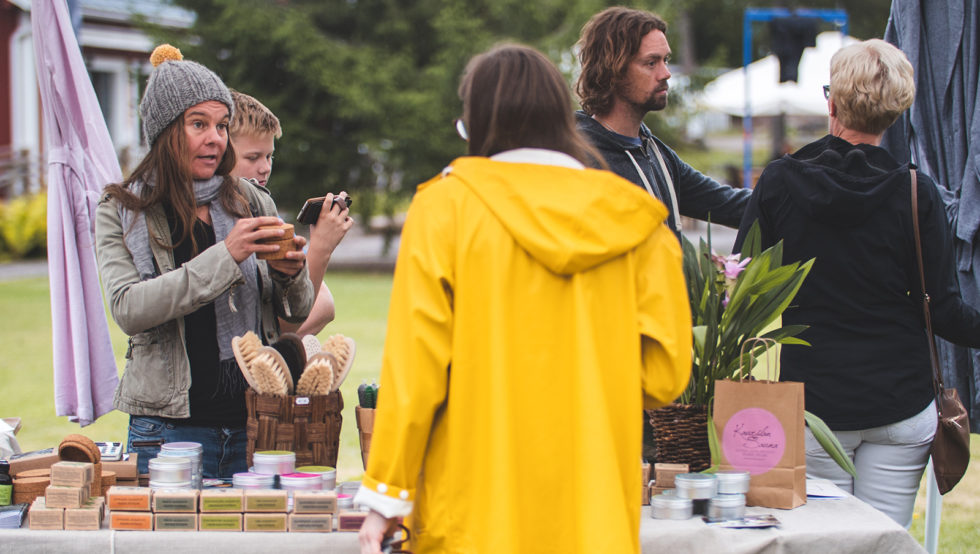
(362, 306)
(28, 382)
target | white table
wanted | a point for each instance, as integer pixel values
(821, 526)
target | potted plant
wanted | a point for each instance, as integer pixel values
(733, 299)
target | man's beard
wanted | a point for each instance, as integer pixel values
(655, 102)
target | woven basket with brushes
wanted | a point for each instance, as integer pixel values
(294, 402)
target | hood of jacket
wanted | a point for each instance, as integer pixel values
(840, 182)
(567, 219)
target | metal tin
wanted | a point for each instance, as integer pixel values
(248, 480)
(274, 462)
(345, 502)
(170, 469)
(167, 485)
(328, 474)
(726, 506)
(733, 481)
(191, 450)
(696, 486)
(301, 482)
(670, 506)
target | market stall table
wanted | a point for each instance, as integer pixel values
(822, 525)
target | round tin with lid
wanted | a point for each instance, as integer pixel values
(726, 506)
(671, 506)
(191, 450)
(249, 480)
(170, 469)
(696, 486)
(345, 502)
(328, 474)
(274, 462)
(733, 481)
(301, 482)
(155, 485)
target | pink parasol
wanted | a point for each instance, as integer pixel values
(80, 161)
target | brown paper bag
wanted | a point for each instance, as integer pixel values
(760, 430)
(759, 425)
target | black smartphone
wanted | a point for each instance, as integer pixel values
(310, 211)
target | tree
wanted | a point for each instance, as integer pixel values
(365, 89)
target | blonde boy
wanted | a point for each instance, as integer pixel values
(254, 130)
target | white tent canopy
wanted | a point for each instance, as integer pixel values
(770, 97)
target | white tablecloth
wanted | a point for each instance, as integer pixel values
(821, 526)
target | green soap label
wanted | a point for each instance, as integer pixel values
(266, 503)
(175, 504)
(221, 504)
(318, 505)
(174, 521)
(6, 493)
(221, 522)
(267, 524)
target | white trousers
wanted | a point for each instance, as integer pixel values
(889, 461)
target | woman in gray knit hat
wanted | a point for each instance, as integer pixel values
(176, 245)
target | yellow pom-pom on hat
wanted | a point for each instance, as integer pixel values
(165, 53)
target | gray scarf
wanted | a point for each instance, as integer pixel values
(236, 309)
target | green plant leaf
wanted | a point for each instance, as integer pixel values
(829, 442)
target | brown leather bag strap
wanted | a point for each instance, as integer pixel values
(937, 375)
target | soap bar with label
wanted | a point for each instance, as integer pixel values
(131, 521)
(265, 522)
(219, 522)
(222, 500)
(175, 522)
(310, 523)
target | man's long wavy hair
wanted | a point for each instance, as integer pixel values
(514, 97)
(168, 166)
(608, 42)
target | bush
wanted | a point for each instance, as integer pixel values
(24, 226)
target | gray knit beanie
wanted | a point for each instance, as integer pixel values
(175, 85)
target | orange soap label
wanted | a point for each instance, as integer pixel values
(131, 521)
(135, 499)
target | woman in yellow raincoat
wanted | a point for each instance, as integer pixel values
(537, 306)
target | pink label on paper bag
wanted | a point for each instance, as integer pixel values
(753, 440)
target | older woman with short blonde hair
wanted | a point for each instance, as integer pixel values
(846, 202)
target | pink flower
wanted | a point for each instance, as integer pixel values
(730, 266)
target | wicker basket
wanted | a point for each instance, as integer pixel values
(681, 435)
(306, 425)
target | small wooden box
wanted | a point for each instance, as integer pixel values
(664, 474)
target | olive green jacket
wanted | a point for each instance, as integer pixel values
(158, 374)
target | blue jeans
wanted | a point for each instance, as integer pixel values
(224, 447)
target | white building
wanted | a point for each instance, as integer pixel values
(116, 52)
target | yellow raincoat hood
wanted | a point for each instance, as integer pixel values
(597, 218)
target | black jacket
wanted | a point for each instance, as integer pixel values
(849, 206)
(699, 196)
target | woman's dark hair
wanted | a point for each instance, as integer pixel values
(608, 42)
(514, 97)
(167, 166)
